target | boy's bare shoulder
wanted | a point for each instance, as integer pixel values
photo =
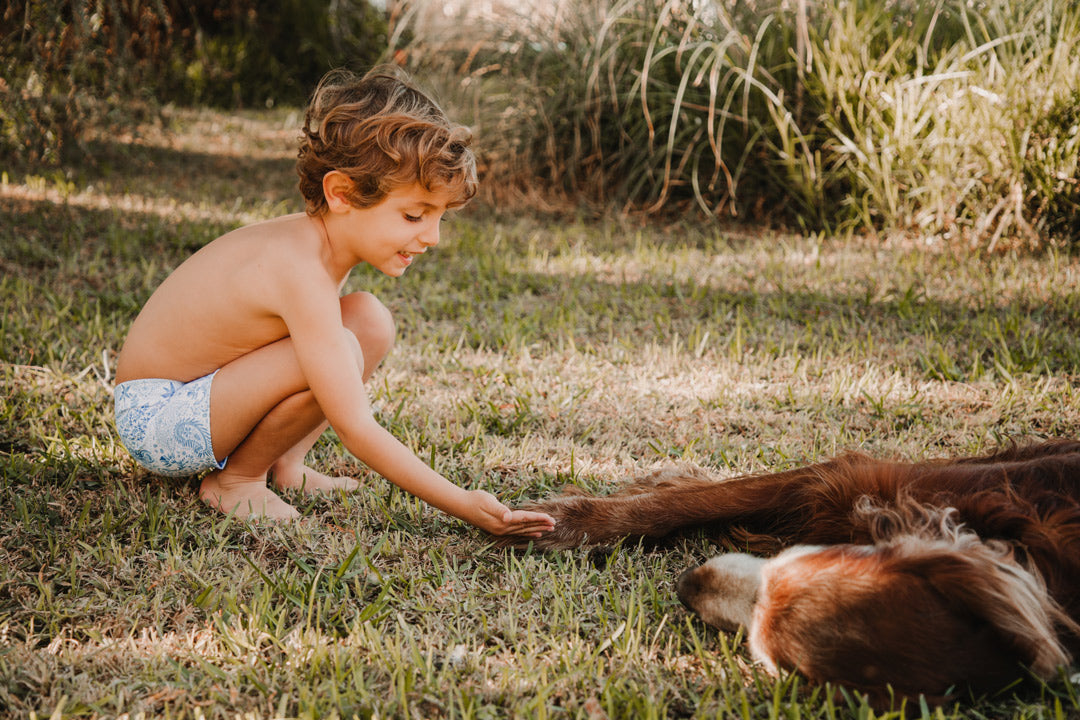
(258, 270)
(278, 234)
(289, 245)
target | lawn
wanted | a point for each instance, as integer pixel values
(532, 352)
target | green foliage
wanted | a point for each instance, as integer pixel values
(266, 52)
(947, 120)
(69, 67)
(1051, 170)
(66, 64)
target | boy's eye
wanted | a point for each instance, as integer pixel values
(413, 218)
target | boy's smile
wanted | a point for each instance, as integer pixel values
(407, 257)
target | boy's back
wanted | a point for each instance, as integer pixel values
(222, 302)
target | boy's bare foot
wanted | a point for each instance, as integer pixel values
(245, 499)
(301, 477)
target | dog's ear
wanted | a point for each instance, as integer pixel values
(991, 585)
(982, 578)
(920, 614)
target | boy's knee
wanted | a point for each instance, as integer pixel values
(370, 322)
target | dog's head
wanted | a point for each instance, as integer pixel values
(927, 608)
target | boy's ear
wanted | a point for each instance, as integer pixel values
(336, 188)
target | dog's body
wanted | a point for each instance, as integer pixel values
(932, 578)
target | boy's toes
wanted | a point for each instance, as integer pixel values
(311, 481)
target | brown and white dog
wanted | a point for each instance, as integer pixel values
(942, 578)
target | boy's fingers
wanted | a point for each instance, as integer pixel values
(531, 516)
(531, 528)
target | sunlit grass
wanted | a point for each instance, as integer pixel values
(530, 354)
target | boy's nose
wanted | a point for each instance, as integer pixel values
(430, 237)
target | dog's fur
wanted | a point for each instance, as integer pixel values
(941, 578)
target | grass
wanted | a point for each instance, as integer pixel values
(532, 352)
(951, 122)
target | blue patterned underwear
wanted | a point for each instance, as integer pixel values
(165, 424)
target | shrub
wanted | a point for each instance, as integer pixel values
(68, 65)
(262, 52)
(948, 120)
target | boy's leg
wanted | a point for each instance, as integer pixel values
(290, 471)
(371, 323)
(241, 486)
(263, 416)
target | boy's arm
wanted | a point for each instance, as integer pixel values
(327, 357)
(384, 454)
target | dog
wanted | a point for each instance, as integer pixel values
(943, 579)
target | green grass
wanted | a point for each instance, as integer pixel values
(531, 353)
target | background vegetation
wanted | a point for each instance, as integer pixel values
(954, 122)
(951, 122)
(69, 68)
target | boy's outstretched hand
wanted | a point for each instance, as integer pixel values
(497, 519)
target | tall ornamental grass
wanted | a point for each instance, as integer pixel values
(954, 122)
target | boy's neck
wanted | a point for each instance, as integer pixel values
(337, 269)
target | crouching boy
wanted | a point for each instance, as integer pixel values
(247, 351)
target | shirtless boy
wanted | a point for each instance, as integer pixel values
(247, 352)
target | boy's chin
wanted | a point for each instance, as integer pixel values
(391, 271)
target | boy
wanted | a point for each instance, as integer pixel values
(246, 353)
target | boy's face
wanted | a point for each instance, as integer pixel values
(389, 235)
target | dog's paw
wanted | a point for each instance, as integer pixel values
(571, 512)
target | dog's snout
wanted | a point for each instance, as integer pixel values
(723, 590)
(688, 586)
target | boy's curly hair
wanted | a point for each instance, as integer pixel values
(383, 133)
